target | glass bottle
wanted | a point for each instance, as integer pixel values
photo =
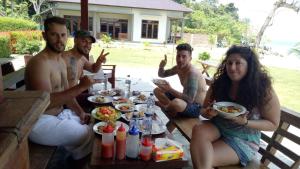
(150, 104)
(105, 81)
(121, 143)
(107, 145)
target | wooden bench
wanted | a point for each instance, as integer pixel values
(39, 155)
(269, 156)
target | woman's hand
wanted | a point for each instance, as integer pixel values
(208, 112)
(241, 119)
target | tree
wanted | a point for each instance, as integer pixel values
(296, 49)
(38, 6)
(294, 5)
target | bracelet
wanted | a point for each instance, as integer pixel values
(246, 123)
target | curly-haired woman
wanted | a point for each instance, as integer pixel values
(240, 78)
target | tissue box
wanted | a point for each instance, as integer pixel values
(165, 149)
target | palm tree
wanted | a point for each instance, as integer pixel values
(295, 50)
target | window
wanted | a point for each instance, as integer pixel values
(73, 23)
(149, 29)
(116, 28)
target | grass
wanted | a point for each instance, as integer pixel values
(285, 81)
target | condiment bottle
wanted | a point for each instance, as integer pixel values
(121, 143)
(132, 142)
(107, 146)
(146, 149)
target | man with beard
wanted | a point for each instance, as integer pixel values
(188, 102)
(76, 58)
(47, 71)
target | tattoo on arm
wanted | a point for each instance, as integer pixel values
(168, 72)
(191, 89)
(72, 68)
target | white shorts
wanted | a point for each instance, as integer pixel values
(64, 130)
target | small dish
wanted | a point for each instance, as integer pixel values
(125, 107)
(99, 99)
(97, 127)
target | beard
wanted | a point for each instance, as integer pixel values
(56, 49)
(83, 52)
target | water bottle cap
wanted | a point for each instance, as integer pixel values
(151, 94)
(121, 128)
(108, 129)
(134, 130)
(147, 142)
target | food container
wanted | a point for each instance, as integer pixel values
(107, 146)
(165, 149)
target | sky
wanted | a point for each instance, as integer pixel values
(284, 32)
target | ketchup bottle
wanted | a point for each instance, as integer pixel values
(107, 146)
(121, 143)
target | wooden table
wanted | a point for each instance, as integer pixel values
(206, 65)
(18, 113)
(99, 163)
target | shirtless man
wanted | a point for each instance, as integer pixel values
(76, 57)
(47, 71)
(188, 102)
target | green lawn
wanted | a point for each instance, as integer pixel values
(285, 81)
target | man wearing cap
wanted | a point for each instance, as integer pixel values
(76, 58)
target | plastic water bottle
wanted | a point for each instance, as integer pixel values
(127, 86)
(105, 81)
(150, 104)
(150, 101)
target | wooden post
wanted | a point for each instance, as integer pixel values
(1, 86)
(84, 15)
(84, 21)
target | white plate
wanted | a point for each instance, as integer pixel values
(159, 81)
(218, 105)
(118, 124)
(157, 128)
(131, 107)
(135, 99)
(107, 92)
(143, 107)
(93, 99)
(125, 117)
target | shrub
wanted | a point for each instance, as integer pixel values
(70, 44)
(24, 46)
(4, 47)
(106, 39)
(204, 56)
(17, 36)
(14, 24)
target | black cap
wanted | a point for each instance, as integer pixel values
(84, 33)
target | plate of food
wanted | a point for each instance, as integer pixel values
(141, 98)
(128, 115)
(229, 109)
(125, 107)
(106, 113)
(159, 81)
(98, 127)
(107, 93)
(120, 100)
(100, 99)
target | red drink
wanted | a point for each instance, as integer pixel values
(107, 150)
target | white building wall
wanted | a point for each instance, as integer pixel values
(153, 15)
(133, 15)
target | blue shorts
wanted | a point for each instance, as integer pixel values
(191, 110)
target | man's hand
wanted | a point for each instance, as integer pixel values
(165, 86)
(163, 62)
(102, 57)
(85, 118)
(86, 82)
